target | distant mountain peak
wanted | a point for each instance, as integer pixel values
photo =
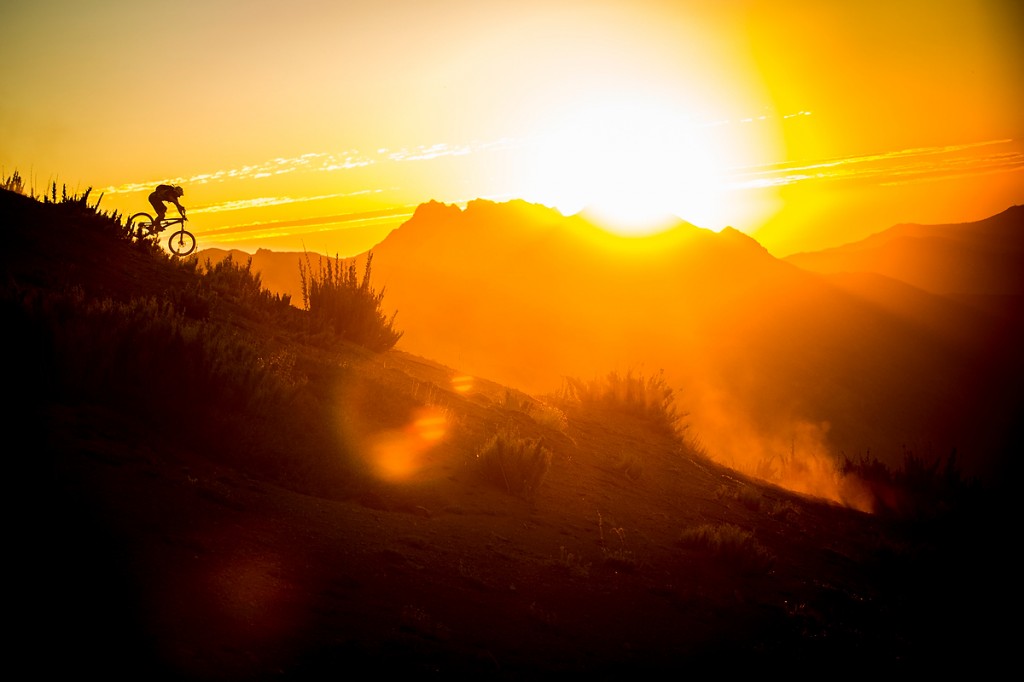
(742, 240)
(434, 209)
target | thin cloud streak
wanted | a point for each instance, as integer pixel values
(920, 162)
(313, 162)
(424, 153)
(963, 168)
(261, 202)
(398, 212)
(318, 162)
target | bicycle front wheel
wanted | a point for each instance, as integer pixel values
(140, 225)
(182, 243)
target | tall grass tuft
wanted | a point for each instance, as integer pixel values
(730, 546)
(338, 300)
(515, 464)
(649, 398)
(13, 183)
(538, 410)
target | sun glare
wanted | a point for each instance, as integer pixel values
(631, 164)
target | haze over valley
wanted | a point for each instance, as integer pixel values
(783, 370)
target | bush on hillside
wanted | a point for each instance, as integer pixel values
(338, 300)
(229, 393)
(77, 206)
(915, 490)
(538, 410)
(515, 464)
(236, 283)
(141, 354)
(729, 546)
(649, 398)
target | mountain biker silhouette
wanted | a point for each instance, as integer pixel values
(161, 194)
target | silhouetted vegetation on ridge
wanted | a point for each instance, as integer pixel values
(337, 299)
(97, 317)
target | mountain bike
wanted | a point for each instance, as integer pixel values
(181, 242)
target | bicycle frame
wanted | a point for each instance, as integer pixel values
(181, 242)
(167, 222)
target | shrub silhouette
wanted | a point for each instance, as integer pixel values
(515, 464)
(185, 378)
(76, 207)
(730, 546)
(142, 354)
(538, 410)
(916, 490)
(649, 398)
(338, 300)
(234, 283)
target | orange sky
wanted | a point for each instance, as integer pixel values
(320, 125)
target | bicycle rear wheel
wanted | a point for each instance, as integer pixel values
(182, 243)
(140, 225)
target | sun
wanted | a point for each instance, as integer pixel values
(631, 163)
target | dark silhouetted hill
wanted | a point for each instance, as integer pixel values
(965, 260)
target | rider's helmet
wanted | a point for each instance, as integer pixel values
(178, 190)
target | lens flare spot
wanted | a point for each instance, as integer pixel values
(397, 454)
(431, 427)
(462, 384)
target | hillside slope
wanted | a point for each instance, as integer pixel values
(218, 538)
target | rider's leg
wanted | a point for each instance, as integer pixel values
(158, 206)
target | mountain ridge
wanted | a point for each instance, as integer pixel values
(974, 258)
